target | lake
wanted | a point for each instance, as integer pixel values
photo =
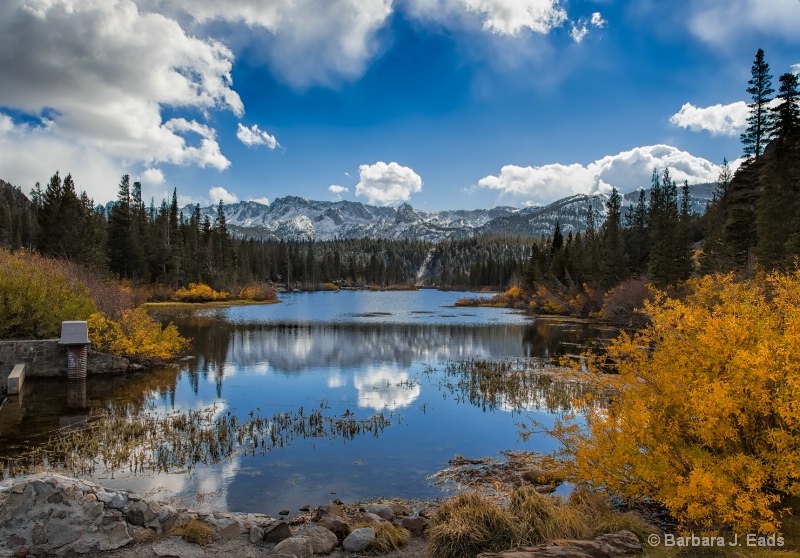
(346, 353)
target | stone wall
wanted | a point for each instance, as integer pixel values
(45, 357)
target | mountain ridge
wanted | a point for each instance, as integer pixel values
(301, 219)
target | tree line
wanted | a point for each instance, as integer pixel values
(753, 220)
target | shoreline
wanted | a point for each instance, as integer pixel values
(52, 514)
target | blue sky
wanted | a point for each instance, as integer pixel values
(445, 104)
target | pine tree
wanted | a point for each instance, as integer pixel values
(786, 115)
(715, 257)
(758, 132)
(119, 228)
(663, 216)
(683, 240)
(613, 261)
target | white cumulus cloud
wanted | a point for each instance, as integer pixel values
(579, 32)
(720, 120)
(254, 136)
(598, 21)
(101, 73)
(30, 154)
(152, 176)
(502, 17)
(386, 184)
(336, 189)
(219, 193)
(721, 22)
(306, 42)
(626, 171)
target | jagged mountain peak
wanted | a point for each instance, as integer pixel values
(297, 218)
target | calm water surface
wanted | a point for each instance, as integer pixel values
(348, 351)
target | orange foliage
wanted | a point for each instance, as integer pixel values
(704, 416)
(199, 292)
(136, 336)
(260, 292)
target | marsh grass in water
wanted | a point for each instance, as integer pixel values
(512, 384)
(117, 439)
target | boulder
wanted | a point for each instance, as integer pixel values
(359, 539)
(276, 532)
(381, 510)
(335, 525)
(622, 543)
(416, 525)
(368, 517)
(322, 540)
(299, 546)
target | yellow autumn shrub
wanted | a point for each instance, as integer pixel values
(36, 296)
(259, 292)
(136, 336)
(705, 411)
(199, 292)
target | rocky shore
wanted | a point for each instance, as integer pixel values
(49, 514)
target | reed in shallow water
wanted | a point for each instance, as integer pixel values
(116, 439)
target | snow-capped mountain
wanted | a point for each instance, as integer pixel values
(294, 218)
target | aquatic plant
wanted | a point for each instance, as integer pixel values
(518, 385)
(115, 439)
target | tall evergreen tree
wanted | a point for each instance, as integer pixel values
(613, 261)
(786, 114)
(683, 238)
(758, 132)
(715, 256)
(119, 229)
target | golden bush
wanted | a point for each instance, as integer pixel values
(135, 335)
(259, 292)
(199, 292)
(705, 412)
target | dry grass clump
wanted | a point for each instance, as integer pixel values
(472, 523)
(388, 537)
(468, 524)
(599, 516)
(196, 532)
(543, 518)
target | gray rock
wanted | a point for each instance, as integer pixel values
(381, 510)
(59, 533)
(115, 535)
(39, 535)
(322, 540)
(118, 501)
(335, 525)
(359, 539)
(135, 514)
(372, 518)
(299, 546)
(603, 546)
(416, 525)
(176, 547)
(104, 496)
(256, 534)
(277, 532)
(228, 528)
(401, 509)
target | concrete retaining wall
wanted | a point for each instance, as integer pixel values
(45, 357)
